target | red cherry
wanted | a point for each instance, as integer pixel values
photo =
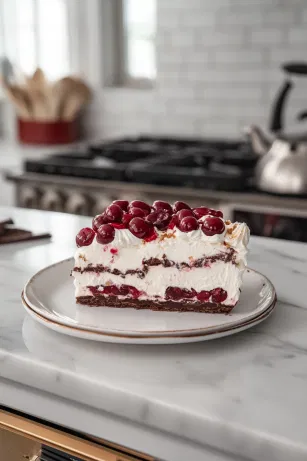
(203, 295)
(216, 213)
(137, 212)
(126, 219)
(180, 206)
(188, 224)
(123, 204)
(160, 205)
(123, 290)
(218, 295)
(160, 219)
(85, 237)
(200, 211)
(98, 221)
(212, 226)
(173, 222)
(105, 234)
(151, 237)
(140, 204)
(134, 292)
(188, 294)
(111, 290)
(183, 214)
(114, 213)
(179, 293)
(173, 293)
(139, 227)
(117, 225)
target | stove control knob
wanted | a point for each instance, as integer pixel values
(78, 203)
(52, 200)
(28, 197)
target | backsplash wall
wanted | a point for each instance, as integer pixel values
(218, 70)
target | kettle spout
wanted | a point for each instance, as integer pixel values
(260, 143)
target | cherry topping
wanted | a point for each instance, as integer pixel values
(98, 221)
(85, 237)
(160, 219)
(137, 212)
(140, 204)
(212, 226)
(203, 295)
(200, 211)
(173, 222)
(180, 206)
(126, 219)
(118, 225)
(217, 213)
(114, 213)
(105, 234)
(183, 214)
(188, 224)
(123, 204)
(160, 205)
(139, 227)
(218, 295)
(152, 236)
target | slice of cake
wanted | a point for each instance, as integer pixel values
(160, 257)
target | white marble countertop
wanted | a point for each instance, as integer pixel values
(241, 397)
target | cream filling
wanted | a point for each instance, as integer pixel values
(127, 251)
(223, 275)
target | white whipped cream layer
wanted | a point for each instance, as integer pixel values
(127, 251)
(227, 276)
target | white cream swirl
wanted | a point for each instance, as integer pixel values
(124, 238)
(237, 235)
(198, 235)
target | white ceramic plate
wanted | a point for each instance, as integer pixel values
(49, 298)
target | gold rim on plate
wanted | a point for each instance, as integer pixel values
(151, 333)
(262, 316)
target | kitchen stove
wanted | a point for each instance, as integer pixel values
(204, 164)
(214, 172)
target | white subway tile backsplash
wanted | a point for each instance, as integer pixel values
(268, 36)
(218, 67)
(298, 35)
(239, 57)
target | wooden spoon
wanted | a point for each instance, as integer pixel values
(19, 97)
(40, 93)
(60, 90)
(77, 98)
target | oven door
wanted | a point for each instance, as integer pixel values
(24, 437)
(280, 223)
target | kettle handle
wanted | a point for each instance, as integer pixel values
(302, 115)
(276, 123)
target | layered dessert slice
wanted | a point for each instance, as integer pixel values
(160, 257)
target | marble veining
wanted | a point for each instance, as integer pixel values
(244, 395)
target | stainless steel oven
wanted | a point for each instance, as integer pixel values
(264, 221)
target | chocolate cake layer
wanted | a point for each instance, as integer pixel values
(146, 264)
(170, 306)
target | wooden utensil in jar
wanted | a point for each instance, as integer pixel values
(78, 96)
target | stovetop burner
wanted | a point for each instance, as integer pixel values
(206, 164)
